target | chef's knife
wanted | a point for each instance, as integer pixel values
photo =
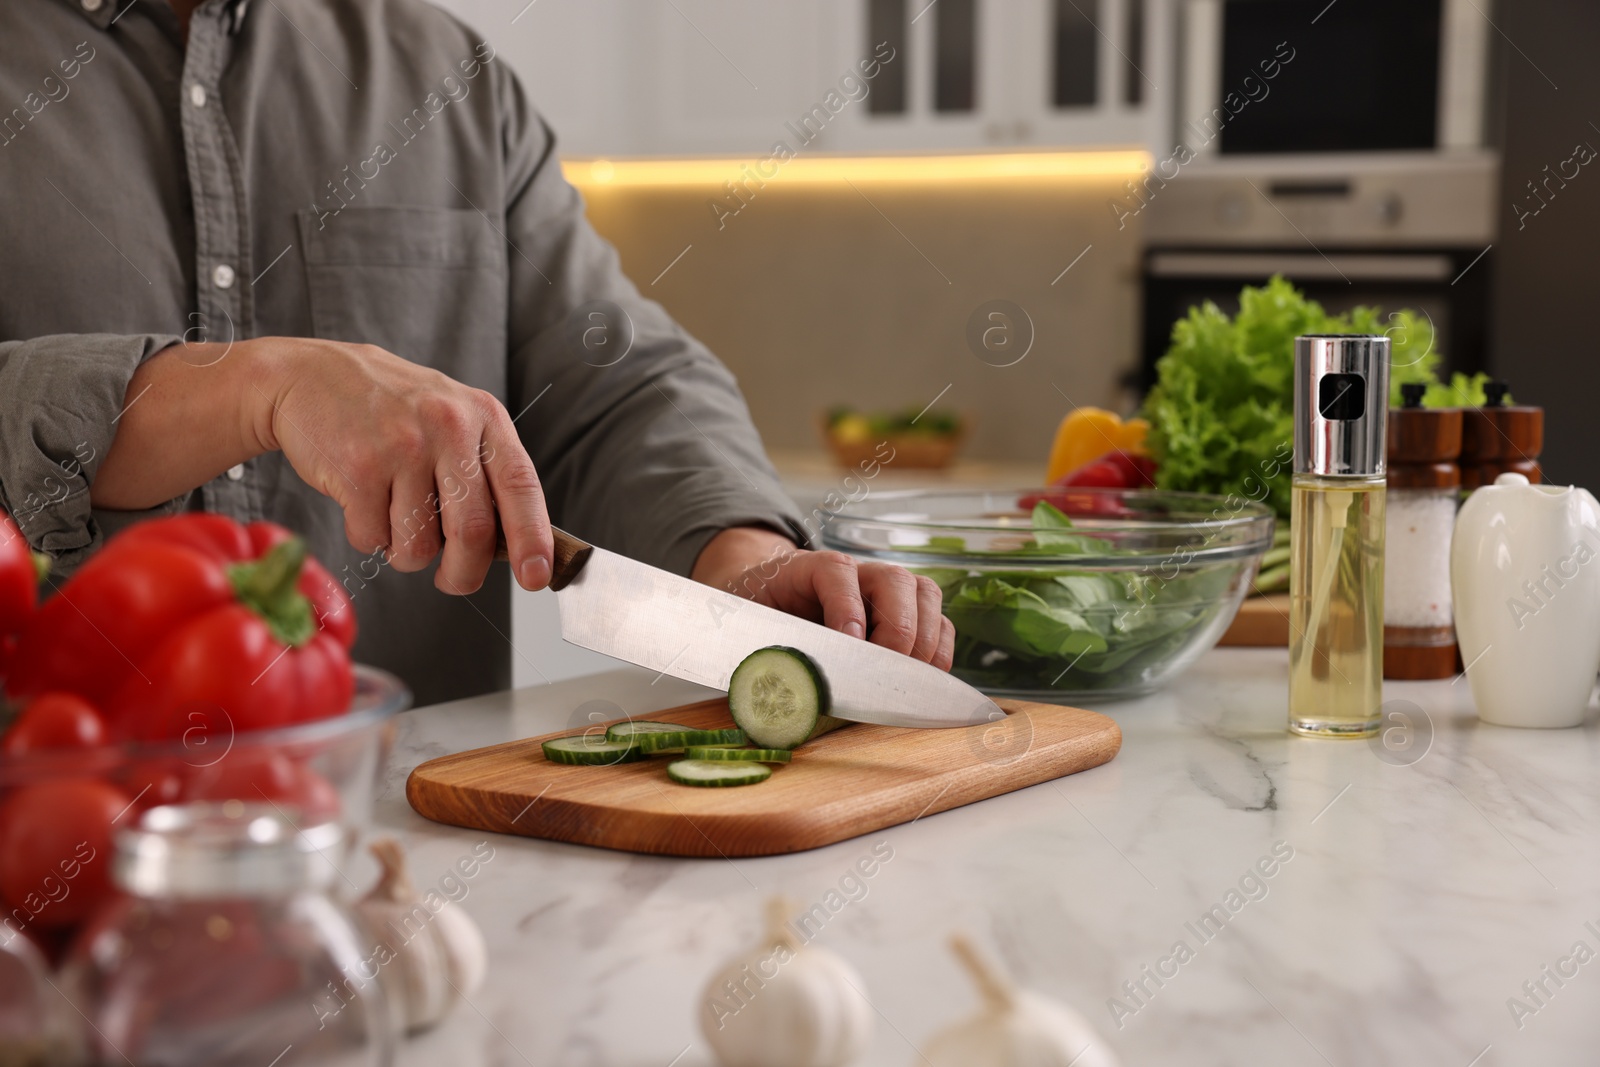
(666, 623)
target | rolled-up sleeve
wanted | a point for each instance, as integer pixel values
(60, 398)
(641, 437)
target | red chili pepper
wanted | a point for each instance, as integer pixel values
(181, 620)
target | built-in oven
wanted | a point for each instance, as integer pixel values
(1393, 230)
(1304, 76)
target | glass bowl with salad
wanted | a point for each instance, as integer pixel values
(1060, 594)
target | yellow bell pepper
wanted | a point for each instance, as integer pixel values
(1086, 434)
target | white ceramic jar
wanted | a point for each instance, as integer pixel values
(1525, 574)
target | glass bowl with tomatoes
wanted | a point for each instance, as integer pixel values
(192, 658)
(1068, 592)
(67, 787)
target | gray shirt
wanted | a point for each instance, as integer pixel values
(358, 170)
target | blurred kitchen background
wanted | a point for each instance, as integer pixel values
(998, 208)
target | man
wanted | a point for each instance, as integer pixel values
(315, 261)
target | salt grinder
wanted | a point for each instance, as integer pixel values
(1419, 637)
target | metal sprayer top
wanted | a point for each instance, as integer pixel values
(1341, 404)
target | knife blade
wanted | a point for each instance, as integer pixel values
(671, 624)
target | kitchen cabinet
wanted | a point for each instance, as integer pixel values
(1043, 74)
(730, 77)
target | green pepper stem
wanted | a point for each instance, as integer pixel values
(268, 586)
(41, 566)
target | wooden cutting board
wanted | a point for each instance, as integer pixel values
(852, 781)
(1262, 622)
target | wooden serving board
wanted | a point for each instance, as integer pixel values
(849, 782)
(1262, 622)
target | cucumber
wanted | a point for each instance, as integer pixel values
(683, 738)
(777, 696)
(733, 755)
(623, 731)
(716, 773)
(590, 750)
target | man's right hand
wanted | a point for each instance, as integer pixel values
(421, 464)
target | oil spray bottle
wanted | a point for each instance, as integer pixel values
(1341, 404)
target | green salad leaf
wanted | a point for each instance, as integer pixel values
(1071, 629)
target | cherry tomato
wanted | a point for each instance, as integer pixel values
(306, 796)
(318, 799)
(54, 721)
(153, 782)
(55, 849)
(248, 777)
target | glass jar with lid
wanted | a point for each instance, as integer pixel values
(227, 948)
(34, 1028)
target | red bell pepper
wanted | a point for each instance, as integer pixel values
(185, 622)
(230, 542)
(1114, 471)
(20, 573)
(1117, 469)
(1097, 474)
(1138, 472)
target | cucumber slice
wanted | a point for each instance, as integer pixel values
(714, 773)
(623, 731)
(682, 738)
(777, 696)
(733, 755)
(590, 750)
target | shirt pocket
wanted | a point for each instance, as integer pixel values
(428, 284)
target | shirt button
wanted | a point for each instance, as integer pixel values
(223, 276)
(93, 5)
(197, 93)
(236, 473)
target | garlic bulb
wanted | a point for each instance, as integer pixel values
(428, 949)
(783, 1004)
(1014, 1028)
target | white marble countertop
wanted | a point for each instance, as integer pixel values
(1421, 893)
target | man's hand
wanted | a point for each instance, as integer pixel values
(420, 463)
(885, 603)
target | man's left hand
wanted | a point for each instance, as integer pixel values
(884, 603)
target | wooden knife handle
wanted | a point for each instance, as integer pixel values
(571, 555)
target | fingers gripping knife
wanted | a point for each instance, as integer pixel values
(667, 623)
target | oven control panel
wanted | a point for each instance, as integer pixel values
(1430, 200)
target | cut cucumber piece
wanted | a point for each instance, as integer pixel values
(777, 696)
(716, 773)
(623, 731)
(734, 755)
(682, 738)
(590, 750)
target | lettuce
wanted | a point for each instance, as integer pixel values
(1222, 411)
